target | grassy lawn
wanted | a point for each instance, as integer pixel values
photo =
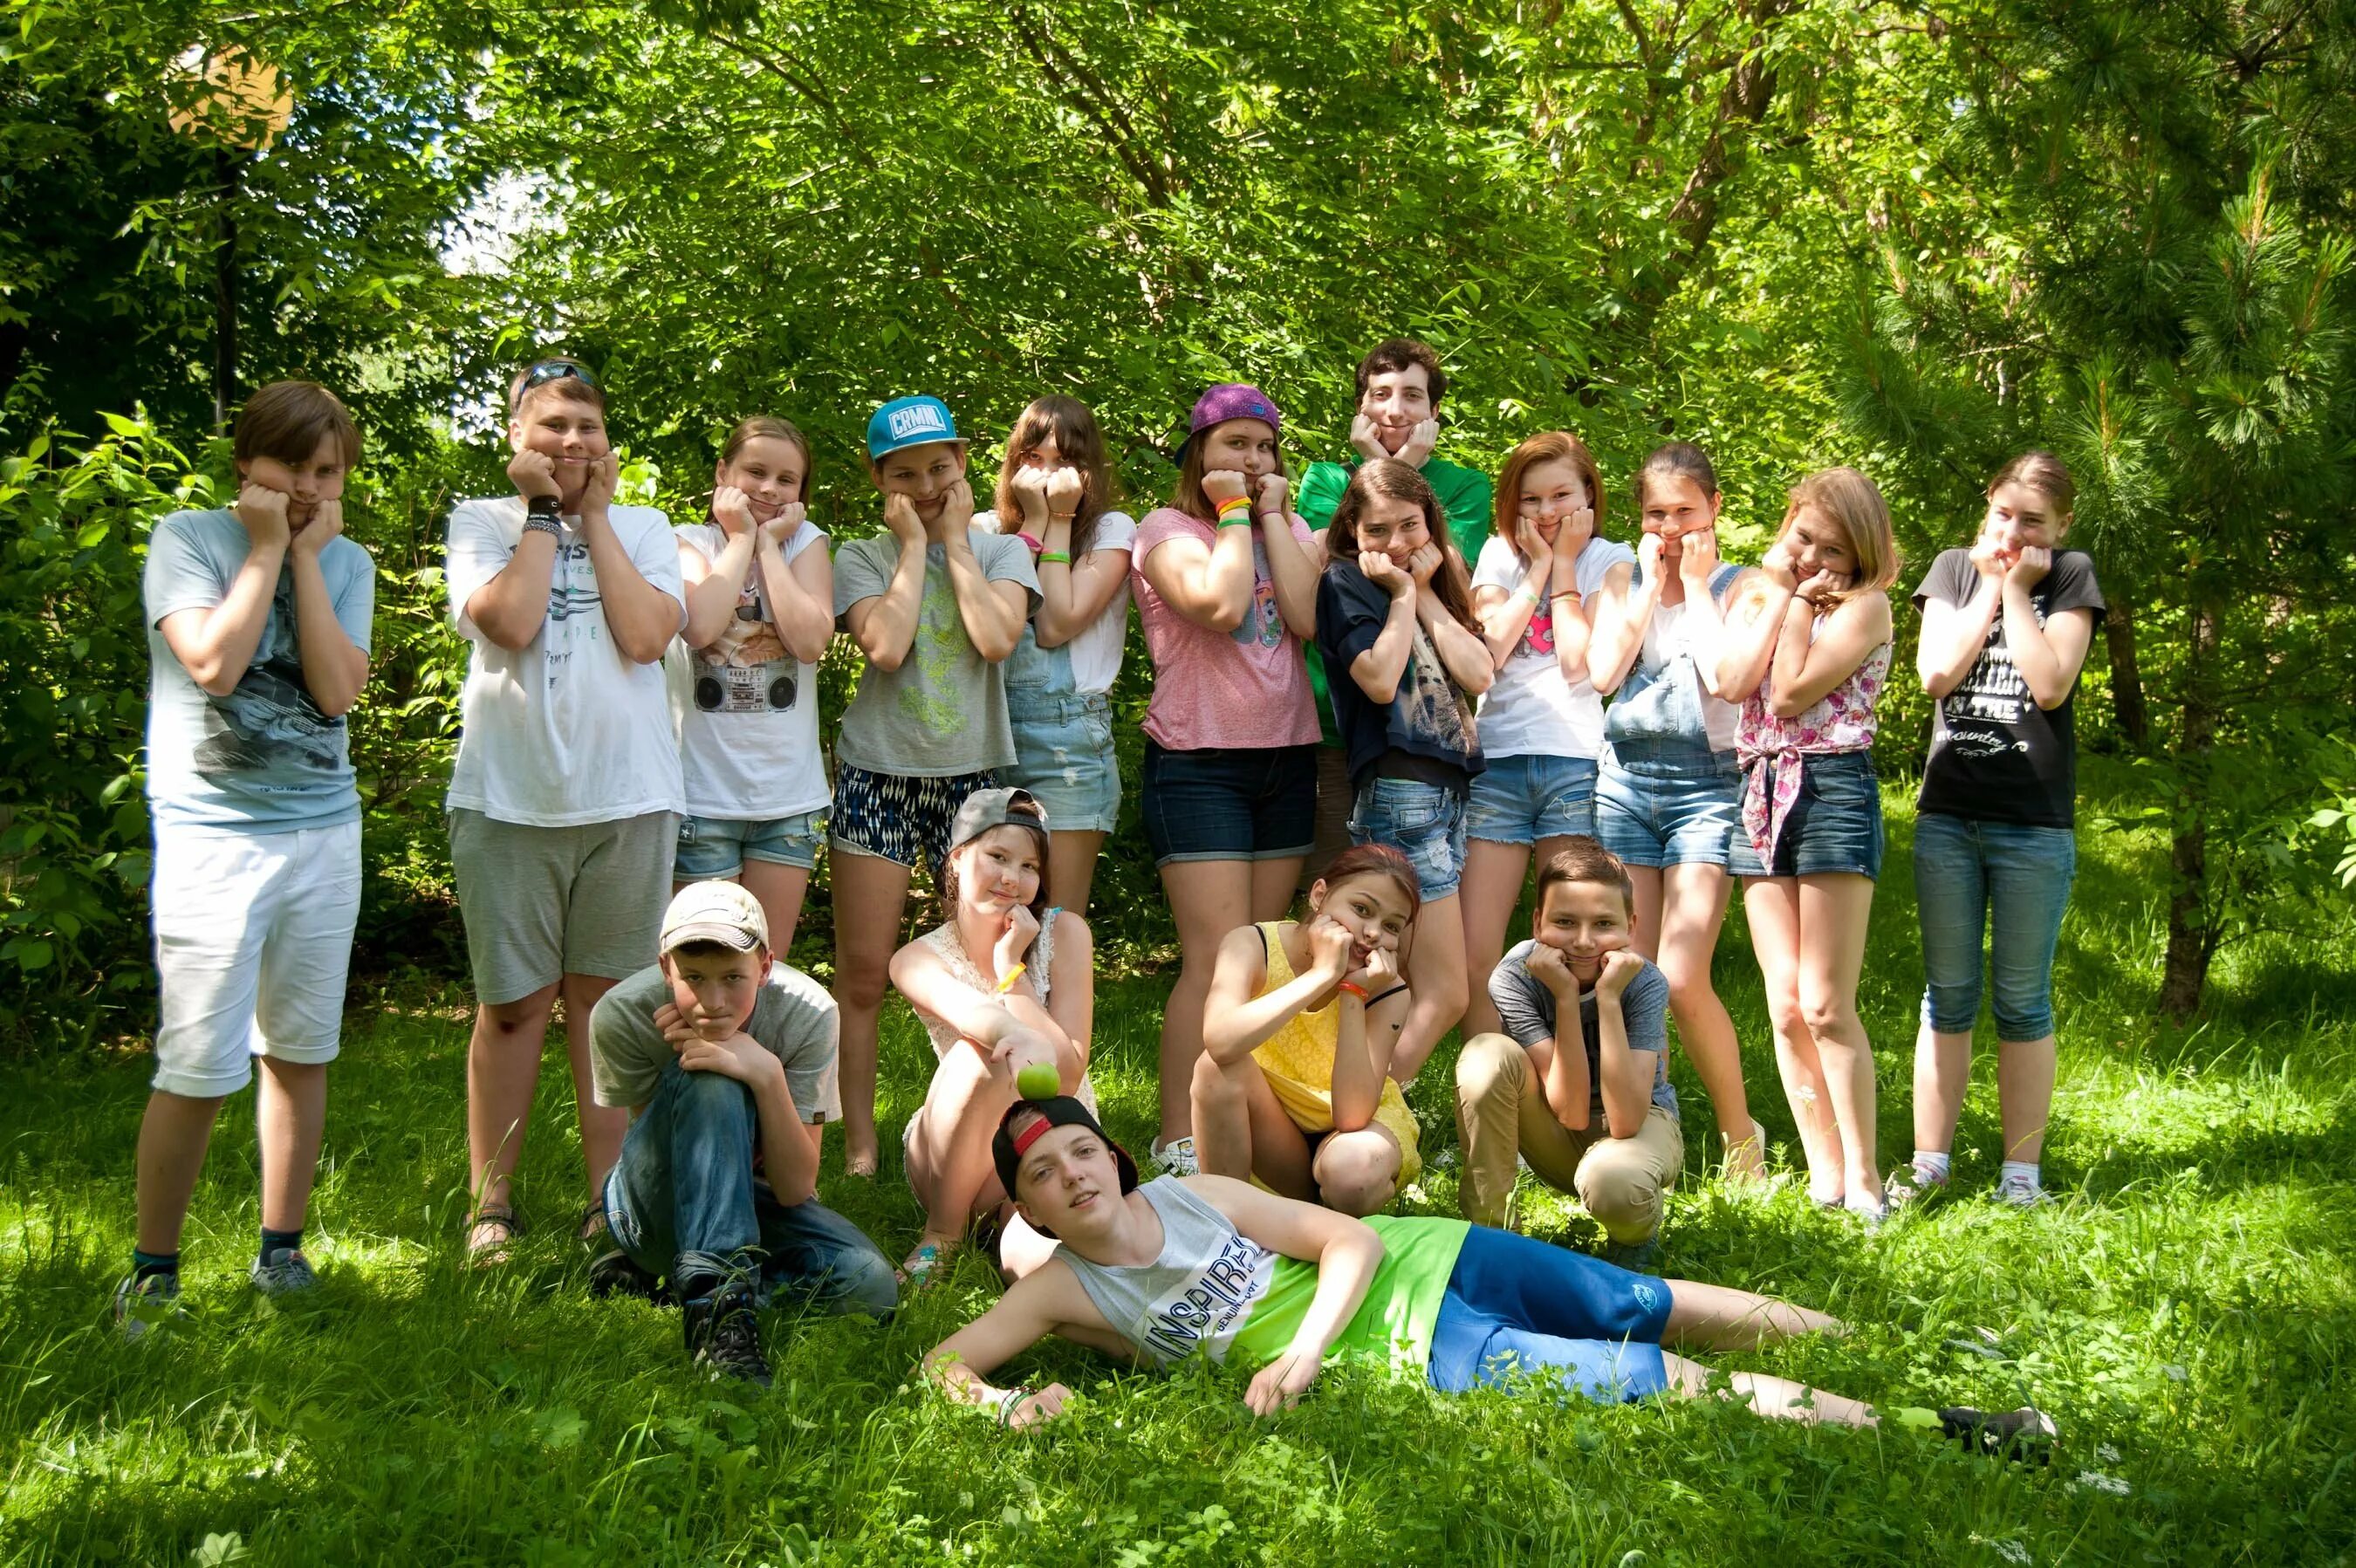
(2185, 1312)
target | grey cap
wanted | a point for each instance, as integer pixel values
(987, 809)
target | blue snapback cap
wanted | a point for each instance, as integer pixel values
(908, 422)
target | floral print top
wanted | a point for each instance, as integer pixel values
(1844, 721)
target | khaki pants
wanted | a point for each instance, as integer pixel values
(1501, 1111)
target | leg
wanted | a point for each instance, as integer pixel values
(1719, 1317)
(1272, 884)
(502, 1067)
(173, 1137)
(1693, 909)
(1241, 1129)
(680, 1200)
(2029, 872)
(780, 888)
(1772, 904)
(948, 1144)
(1357, 1173)
(1494, 874)
(1072, 868)
(1435, 974)
(870, 895)
(1834, 909)
(822, 1259)
(291, 1109)
(1208, 899)
(1778, 1398)
(601, 1126)
(1951, 904)
(1620, 1181)
(1500, 1115)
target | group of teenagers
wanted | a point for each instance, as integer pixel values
(1378, 695)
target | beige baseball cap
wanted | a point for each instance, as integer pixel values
(718, 912)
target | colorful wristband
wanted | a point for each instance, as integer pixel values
(1055, 558)
(1031, 542)
(1355, 988)
(1007, 984)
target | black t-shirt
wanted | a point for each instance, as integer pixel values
(1428, 718)
(1996, 756)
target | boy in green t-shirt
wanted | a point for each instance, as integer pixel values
(1155, 1273)
(1400, 384)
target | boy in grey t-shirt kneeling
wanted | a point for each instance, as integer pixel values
(726, 1060)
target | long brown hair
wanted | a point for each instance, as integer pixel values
(1547, 447)
(1079, 442)
(1188, 497)
(1395, 480)
(1036, 825)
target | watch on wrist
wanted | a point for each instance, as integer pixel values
(548, 506)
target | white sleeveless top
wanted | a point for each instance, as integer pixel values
(1037, 977)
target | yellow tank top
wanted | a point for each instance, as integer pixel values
(1298, 1062)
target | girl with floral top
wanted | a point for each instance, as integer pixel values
(1807, 651)
(1007, 981)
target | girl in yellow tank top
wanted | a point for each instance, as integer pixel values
(1293, 1088)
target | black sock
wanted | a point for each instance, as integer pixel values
(146, 1265)
(272, 1241)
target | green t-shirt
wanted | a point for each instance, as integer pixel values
(1393, 1326)
(1465, 495)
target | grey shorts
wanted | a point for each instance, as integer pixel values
(543, 903)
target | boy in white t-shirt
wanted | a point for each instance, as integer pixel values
(564, 800)
(258, 621)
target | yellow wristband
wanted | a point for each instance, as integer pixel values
(1007, 984)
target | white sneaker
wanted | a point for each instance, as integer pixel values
(2019, 1192)
(1175, 1157)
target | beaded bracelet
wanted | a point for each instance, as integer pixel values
(1055, 558)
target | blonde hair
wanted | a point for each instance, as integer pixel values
(1853, 502)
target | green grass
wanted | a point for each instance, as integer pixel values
(2186, 1312)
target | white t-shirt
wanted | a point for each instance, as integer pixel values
(567, 730)
(1530, 710)
(1097, 651)
(748, 712)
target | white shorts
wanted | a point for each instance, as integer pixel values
(253, 939)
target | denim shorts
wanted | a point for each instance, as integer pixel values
(1667, 805)
(2011, 881)
(1422, 821)
(1834, 826)
(1515, 1305)
(899, 819)
(716, 847)
(1523, 799)
(1241, 803)
(1063, 755)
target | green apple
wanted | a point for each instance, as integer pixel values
(1040, 1080)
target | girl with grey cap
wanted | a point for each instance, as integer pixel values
(1005, 981)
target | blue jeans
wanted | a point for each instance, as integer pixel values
(1422, 821)
(718, 847)
(682, 1200)
(1968, 873)
(1523, 799)
(1236, 803)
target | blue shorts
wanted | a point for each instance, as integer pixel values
(1524, 800)
(1244, 804)
(899, 819)
(1515, 1306)
(1663, 807)
(717, 847)
(1834, 826)
(1422, 821)
(1063, 755)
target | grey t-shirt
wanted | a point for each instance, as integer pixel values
(1527, 1009)
(265, 758)
(793, 1017)
(943, 711)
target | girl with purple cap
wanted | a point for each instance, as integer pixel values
(1225, 582)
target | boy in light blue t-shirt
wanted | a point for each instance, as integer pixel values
(258, 621)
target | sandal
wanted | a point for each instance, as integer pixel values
(919, 1268)
(594, 1227)
(488, 1251)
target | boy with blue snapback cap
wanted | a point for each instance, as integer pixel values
(936, 605)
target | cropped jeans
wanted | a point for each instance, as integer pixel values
(2009, 881)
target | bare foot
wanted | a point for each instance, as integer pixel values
(860, 1161)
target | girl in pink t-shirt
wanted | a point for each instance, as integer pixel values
(1225, 582)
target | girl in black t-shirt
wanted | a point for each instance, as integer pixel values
(2006, 627)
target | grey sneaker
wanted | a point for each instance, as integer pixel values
(2027, 1434)
(285, 1271)
(1910, 1185)
(1637, 1257)
(2019, 1192)
(1176, 1158)
(140, 1304)
(723, 1337)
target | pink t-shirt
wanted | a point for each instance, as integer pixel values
(1248, 687)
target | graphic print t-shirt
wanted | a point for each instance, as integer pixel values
(1531, 711)
(1245, 688)
(1526, 1008)
(1996, 756)
(943, 711)
(748, 732)
(568, 729)
(1428, 717)
(264, 759)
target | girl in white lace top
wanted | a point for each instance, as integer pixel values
(1003, 983)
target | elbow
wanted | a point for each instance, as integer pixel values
(642, 649)
(808, 649)
(1784, 706)
(885, 659)
(1225, 618)
(1379, 693)
(213, 681)
(2049, 701)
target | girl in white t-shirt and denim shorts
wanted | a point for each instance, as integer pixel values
(1538, 576)
(760, 609)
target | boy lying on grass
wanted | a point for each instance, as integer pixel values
(1153, 1273)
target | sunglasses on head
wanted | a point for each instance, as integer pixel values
(547, 370)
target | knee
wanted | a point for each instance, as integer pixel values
(700, 1096)
(1688, 981)
(1954, 1008)
(866, 1285)
(859, 978)
(1357, 1174)
(1488, 1067)
(1213, 1084)
(1784, 1014)
(1624, 1199)
(2024, 1013)
(1826, 1011)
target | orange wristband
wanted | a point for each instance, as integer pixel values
(1355, 988)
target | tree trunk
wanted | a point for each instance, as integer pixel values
(2191, 926)
(2126, 676)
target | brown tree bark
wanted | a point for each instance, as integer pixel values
(2193, 928)
(2126, 675)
